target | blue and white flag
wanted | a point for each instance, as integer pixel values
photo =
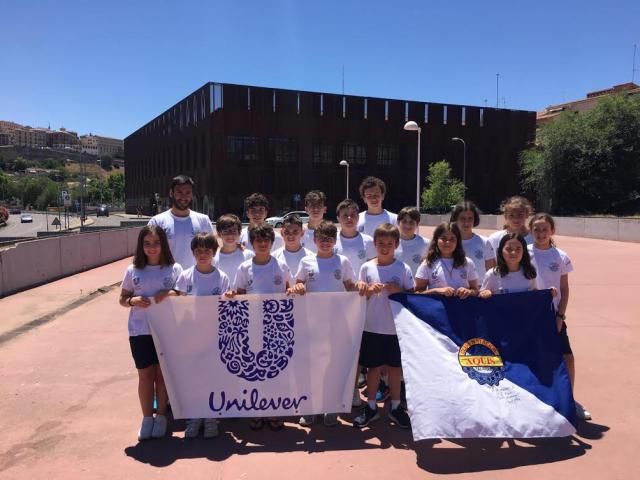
(483, 368)
(258, 355)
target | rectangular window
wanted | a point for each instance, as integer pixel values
(322, 153)
(211, 103)
(482, 117)
(242, 149)
(283, 150)
(273, 101)
(344, 107)
(321, 105)
(248, 98)
(354, 153)
(406, 111)
(218, 97)
(463, 120)
(366, 108)
(386, 109)
(387, 155)
(298, 103)
(444, 115)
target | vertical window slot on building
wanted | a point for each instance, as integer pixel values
(344, 107)
(248, 98)
(482, 117)
(444, 115)
(273, 101)
(321, 105)
(366, 108)
(218, 97)
(298, 103)
(211, 106)
(426, 113)
(406, 111)
(386, 109)
(463, 121)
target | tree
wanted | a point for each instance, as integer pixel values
(20, 164)
(116, 185)
(443, 190)
(587, 163)
(48, 196)
(5, 186)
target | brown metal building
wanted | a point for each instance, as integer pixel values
(237, 139)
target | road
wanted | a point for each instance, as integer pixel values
(40, 220)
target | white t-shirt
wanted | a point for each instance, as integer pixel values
(479, 249)
(550, 264)
(325, 274)
(379, 318)
(443, 273)
(367, 222)
(358, 249)
(180, 231)
(278, 242)
(495, 238)
(269, 278)
(193, 282)
(147, 282)
(412, 251)
(512, 282)
(307, 240)
(229, 262)
(292, 259)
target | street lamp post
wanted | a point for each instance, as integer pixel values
(464, 161)
(412, 126)
(344, 163)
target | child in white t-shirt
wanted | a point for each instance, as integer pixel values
(413, 247)
(324, 272)
(381, 277)
(372, 190)
(516, 210)
(152, 277)
(231, 254)
(446, 270)
(293, 251)
(315, 204)
(256, 207)
(200, 280)
(478, 248)
(553, 266)
(357, 247)
(513, 272)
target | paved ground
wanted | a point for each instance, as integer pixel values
(69, 407)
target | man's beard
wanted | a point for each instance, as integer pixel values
(178, 206)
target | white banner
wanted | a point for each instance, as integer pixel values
(258, 355)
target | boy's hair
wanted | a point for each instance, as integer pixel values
(516, 203)
(314, 197)
(459, 258)
(326, 228)
(256, 200)
(371, 182)
(411, 212)
(140, 259)
(545, 217)
(264, 230)
(386, 230)
(292, 220)
(528, 269)
(181, 180)
(204, 240)
(228, 220)
(465, 206)
(346, 204)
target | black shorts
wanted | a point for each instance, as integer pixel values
(143, 351)
(564, 340)
(377, 349)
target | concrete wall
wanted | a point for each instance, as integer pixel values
(40, 261)
(620, 229)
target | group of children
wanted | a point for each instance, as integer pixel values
(375, 253)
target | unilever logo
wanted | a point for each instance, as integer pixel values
(277, 338)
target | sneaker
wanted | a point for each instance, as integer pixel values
(357, 401)
(582, 413)
(362, 380)
(400, 417)
(193, 428)
(307, 420)
(146, 427)
(330, 419)
(383, 393)
(210, 428)
(367, 416)
(159, 427)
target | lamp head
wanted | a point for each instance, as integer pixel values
(411, 126)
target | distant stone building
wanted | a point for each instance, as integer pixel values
(98, 145)
(63, 139)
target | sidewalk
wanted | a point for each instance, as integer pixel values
(70, 410)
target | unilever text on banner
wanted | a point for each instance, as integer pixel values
(258, 355)
(483, 368)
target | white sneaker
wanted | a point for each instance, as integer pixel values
(307, 420)
(159, 427)
(582, 413)
(330, 419)
(193, 427)
(210, 428)
(146, 427)
(357, 401)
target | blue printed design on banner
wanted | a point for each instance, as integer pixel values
(277, 338)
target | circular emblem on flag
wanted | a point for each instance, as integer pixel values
(481, 360)
(417, 258)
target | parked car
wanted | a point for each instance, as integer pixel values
(26, 218)
(15, 211)
(103, 211)
(278, 221)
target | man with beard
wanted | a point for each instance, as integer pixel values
(181, 223)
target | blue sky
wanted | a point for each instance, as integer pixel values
(109, 67)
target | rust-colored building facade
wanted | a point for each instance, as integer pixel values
(237, 139)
